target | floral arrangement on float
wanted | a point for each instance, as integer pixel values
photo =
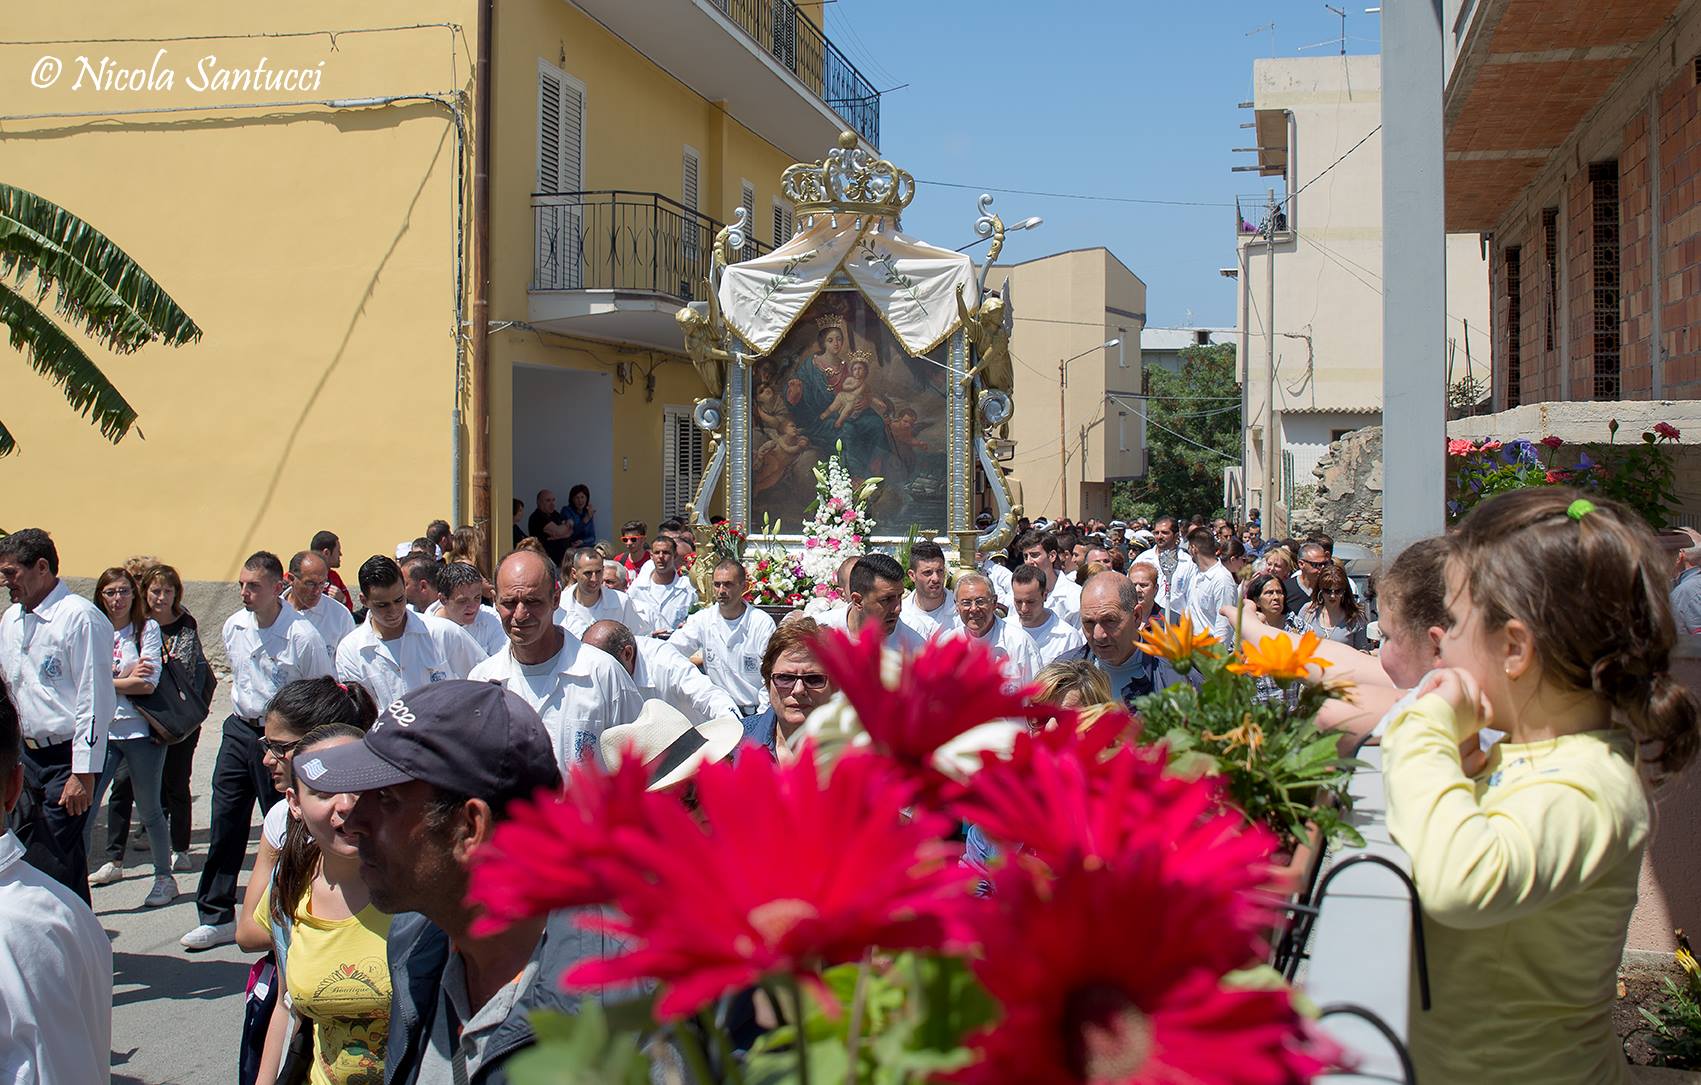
(1642, 476)
(838, 527)
(1120, 942)
(1272, 762)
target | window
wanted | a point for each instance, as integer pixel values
(1122, 431)
(747, 200)
(682, 460)
(688, 185)
(1337, 434)
(1603, 186)
(1514, 324)
(1550, 244)
(782, 223)
(560, 166)
(1122, 350)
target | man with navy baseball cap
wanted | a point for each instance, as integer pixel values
(435, 775)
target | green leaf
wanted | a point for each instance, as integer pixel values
(57, 357)
(580, 1049)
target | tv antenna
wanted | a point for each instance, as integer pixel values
(1267, 28)
(1342, 40)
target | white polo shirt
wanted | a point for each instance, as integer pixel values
(1002, 584)
(611, 605)
(732, 650)
(55, 978)
(1174, 589)
(1209, 591)
(661, 673)
(663, 607)
(941, 619)
(1013, 646)
(263, 661)
(1052, 637)
(430, 649)
(1065, 600)
(903, 639)
(580, 692)
(329, 617)
(57, 660)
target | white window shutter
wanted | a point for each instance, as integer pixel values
(688, 189)
(560, 161)
(782, 223)
(682, 460)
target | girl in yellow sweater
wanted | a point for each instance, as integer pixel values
(1561, 636)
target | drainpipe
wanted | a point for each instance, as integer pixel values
(483, 129)
(1656, 334)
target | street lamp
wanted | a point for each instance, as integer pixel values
(1062, 426)
(1028, 223)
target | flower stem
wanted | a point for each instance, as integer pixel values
(802, 1043)
(858, 996)
(693, 1051)
(731, 1070)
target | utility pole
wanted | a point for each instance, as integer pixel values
(1062, 444)
(1268, 505)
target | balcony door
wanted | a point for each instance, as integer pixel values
(564, 435)
(560, 177)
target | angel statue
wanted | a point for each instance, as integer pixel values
(700, 323)
(988, 330)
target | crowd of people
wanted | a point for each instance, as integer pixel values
(381, 732)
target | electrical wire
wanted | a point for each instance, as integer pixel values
(1076, 195)
(1207, 448)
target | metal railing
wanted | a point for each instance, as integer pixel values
(613, 240)
(799, 45)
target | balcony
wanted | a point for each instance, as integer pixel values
(616, 266)
(767, 62)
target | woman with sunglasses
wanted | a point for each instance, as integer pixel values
(296, 709)
(797, 685)
(1334, 612)
(137, 658)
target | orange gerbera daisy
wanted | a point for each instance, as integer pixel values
(1280, 657)
(1175, 641)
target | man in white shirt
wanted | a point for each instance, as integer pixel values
(461, 587)
(930, 608)
(661, 673)
(269, 645)
(876, 596)
(1062, 595)
(729, 640)
(578, 691)
(55, 960)
(1212, 589)
(56, 656)
(420, 581)
(976, 605)
(1175, 567)
(664, 600)
(587, 600)
(1052, 636)
(397, 650)
(308, 577)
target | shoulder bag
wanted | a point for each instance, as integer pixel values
(175, 708)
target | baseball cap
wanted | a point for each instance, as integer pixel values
(470, 738)
(983, 520)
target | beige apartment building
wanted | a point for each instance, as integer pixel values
(1315, 120)
(1072, 438)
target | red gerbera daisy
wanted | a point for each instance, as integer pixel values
(783, 874)
(555, 851)
(951, 685)
(1069, 806)
(1111, 976)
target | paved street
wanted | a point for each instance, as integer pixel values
(176, 1016)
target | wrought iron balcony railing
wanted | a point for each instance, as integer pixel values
(612, 240)
(800, 46)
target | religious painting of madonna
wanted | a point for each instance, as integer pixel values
(841, 379)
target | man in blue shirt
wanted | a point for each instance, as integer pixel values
(1109, 618)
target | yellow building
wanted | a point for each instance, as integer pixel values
(304, 181)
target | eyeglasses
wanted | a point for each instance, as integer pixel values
(1324, 564)
(279, 750)
(115, 593)
(1333, 591)
(814, 683)
(973, 604)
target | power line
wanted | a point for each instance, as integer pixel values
(1332, 165)
(1214, 451)
(1076, 195)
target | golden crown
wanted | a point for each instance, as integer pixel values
(848, 181)
(832, 315)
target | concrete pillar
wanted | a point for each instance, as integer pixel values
(1414, 275)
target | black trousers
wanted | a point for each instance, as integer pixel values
(174, 795)
(240, 780)
(52, 839)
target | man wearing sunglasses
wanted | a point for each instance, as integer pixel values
(1313, 559)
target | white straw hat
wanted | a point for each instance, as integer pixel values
(669, 747)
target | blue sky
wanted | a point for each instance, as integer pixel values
(1129, 98)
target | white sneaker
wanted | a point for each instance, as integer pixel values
(107, 874)
(208, 935)
(163, 892)
(181, 862)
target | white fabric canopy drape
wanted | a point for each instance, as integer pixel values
(912, 284)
